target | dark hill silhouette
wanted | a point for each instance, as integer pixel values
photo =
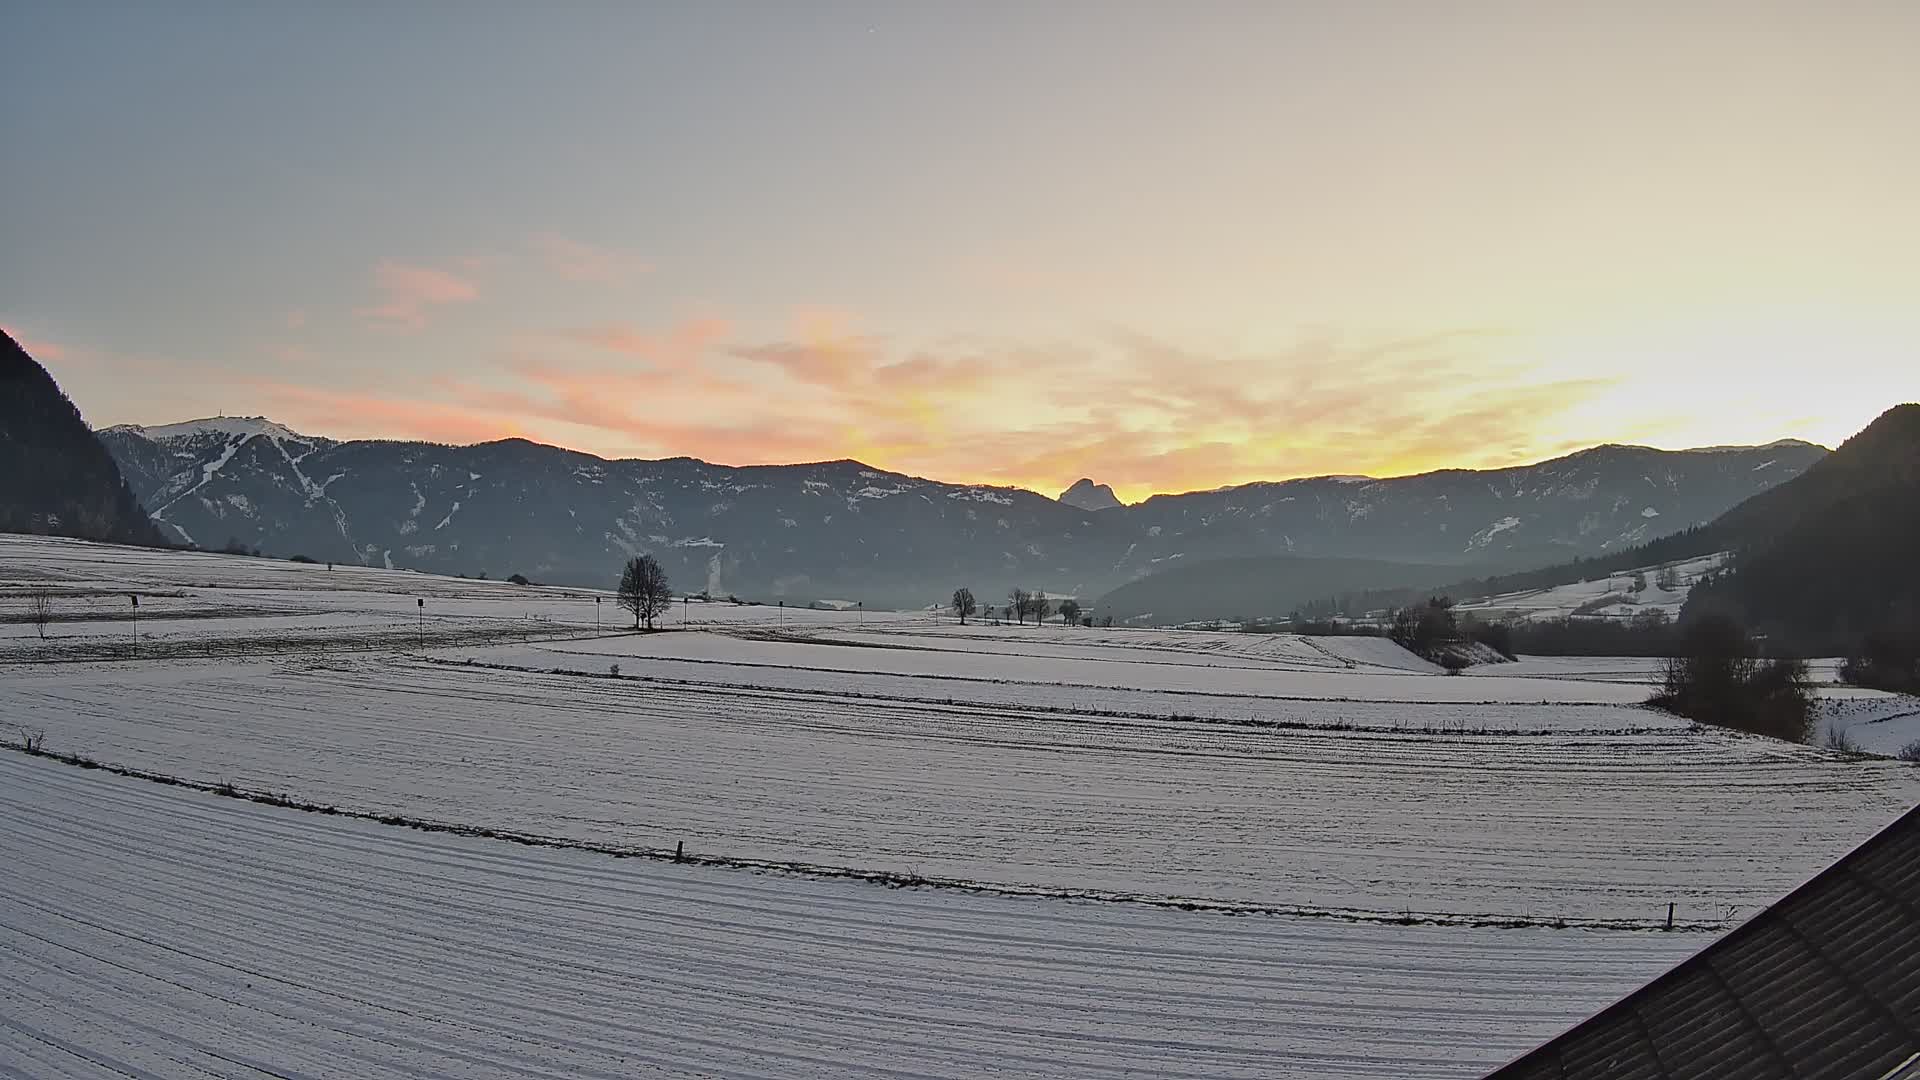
(1834, 553)
(56, 478)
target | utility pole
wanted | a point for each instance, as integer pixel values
(596, 614)
(135, 597)
(421, 603)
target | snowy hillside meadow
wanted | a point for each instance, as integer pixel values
(376, 823)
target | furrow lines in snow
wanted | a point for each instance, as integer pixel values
(165, 928)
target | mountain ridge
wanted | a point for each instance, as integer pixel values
(844, 528)
(269, 426)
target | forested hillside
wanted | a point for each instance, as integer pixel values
(1834, 554)
(55, 477)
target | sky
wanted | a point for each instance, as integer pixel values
(1166, 246)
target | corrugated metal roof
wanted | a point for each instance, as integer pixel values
(1825, 983)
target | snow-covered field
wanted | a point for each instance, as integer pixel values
(1082, 806)
(157, 932)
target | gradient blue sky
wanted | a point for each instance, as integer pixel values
(1167, 246)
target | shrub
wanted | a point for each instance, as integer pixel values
(1719, 679)
(1423, 628)
(517, 579)
(1838, 739)
(1885, 660)
(1911, 751)
(1495, 636)
(301, 559)
(40, 611)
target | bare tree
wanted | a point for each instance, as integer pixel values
(1039, 605)
(644, 590)
(40, 611)
(1070, 611)
(1020, 603)
(963, 604)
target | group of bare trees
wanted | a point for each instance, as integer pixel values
(645, 592)
(1021, 603)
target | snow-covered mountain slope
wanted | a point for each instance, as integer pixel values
(243, 426)
(1623, 594)
(843, 529)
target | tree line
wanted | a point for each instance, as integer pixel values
(1022, 604)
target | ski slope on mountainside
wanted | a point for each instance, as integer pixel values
(151, 931)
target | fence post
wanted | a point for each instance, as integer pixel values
(1669, 915)
(680, 851)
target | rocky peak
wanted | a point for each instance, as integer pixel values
(1087, 495)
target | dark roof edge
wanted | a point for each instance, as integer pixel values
(1536, 1056)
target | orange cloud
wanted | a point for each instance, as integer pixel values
(408, 292)
(1141, 413)
(679, 347)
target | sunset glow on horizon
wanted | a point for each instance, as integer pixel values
(1164, 248)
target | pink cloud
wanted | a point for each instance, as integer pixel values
(352, 414)
(39, 350)
(408, 292)
(575, 260)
